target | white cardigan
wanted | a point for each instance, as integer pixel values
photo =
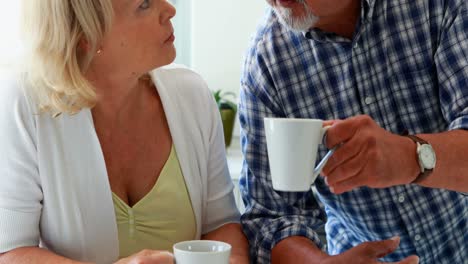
(54, 189)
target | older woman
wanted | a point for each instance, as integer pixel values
(106, 155)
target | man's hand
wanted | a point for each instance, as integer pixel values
(369, 253)
(370, 156)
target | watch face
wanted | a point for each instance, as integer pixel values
(427, 156)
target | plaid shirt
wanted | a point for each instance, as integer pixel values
(407, 68)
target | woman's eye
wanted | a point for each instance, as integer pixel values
(144, 5)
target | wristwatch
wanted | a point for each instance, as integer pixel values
(426, 157)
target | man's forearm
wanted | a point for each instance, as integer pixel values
(451, 170)
(232, 234)
(31, 255)
(299, 249)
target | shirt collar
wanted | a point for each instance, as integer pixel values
(367, 10)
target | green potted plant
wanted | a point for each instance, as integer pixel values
(228, 110)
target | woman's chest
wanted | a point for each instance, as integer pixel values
(135, 162)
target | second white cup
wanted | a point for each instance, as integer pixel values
(202, 252)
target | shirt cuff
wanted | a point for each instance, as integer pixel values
(459, 123)
(18, 229)
(272, 233)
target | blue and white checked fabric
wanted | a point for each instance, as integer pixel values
(407, 68)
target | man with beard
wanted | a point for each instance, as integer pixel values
(392, 79)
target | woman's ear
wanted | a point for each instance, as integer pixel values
(83, 46)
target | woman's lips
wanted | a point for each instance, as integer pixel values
(171, 38)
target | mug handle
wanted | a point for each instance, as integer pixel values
(323, 162)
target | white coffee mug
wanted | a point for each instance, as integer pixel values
(202, 252)
(292, 146)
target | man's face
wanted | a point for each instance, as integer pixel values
(303, 15)
(295, 14)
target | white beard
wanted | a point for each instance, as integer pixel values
(303, 23)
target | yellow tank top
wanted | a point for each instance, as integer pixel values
(160, 219)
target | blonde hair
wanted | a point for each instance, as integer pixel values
(55, 65)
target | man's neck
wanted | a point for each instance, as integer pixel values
(342, 23)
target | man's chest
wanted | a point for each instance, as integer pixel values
(387, 71)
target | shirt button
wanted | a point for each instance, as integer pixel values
(401, 198)
(368, 100)
(417, 237)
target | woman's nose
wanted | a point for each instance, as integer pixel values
(169, 12)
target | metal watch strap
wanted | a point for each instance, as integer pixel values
(427, 172)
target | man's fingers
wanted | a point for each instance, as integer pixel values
(345, 152)
(379, 249)
(409, 260)
(330, 122)
(347, 185)
(344, 130)
(340, 170)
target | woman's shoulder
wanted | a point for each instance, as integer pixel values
(14, 92)
(10, 86)
(184, 91)
(181, 75)
(183, 83)
(17, 113)
(177, 69)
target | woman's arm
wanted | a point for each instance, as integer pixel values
(233, 235)
(31, 255)
(21, 194)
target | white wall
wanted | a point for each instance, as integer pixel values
(10, 45)
(221, 30)
(183, 32)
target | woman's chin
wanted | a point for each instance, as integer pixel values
(164, 60)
